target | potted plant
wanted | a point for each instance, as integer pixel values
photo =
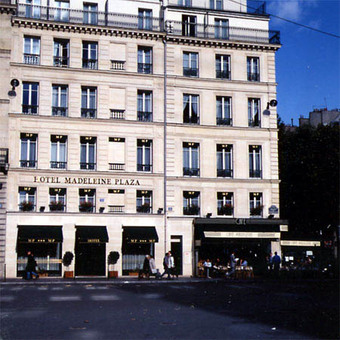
(67, 260)
(56, 206)
(86, 206)
(112, 259)
(256, 211)
(26, 206)
(144, 208)
(226, 209)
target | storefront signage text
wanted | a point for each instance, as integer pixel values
(142, 241)
(85, 180)
(41, 240)
(93, 240)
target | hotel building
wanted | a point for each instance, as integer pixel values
(139, 127)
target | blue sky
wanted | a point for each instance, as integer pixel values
(307, 65)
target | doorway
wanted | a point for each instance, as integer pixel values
(177, 253)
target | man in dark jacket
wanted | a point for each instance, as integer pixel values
(30, 267)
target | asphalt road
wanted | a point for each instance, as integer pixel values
(204, 310)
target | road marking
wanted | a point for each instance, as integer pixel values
(6, 298)
(152, 296)
(105, 298)
(43, 288)
(65, 298)
(57, 288)
(102, 288)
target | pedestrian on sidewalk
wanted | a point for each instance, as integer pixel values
(167, 264)
(276, 264)
(30, 267)
(207, 266)
(233, 262)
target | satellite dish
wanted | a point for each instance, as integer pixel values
(273, 103)
(15, 82)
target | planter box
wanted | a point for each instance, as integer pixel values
(113, 274)
(68, 274)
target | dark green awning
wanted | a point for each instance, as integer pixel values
(92, 234)
(41, 234)
(140, 234)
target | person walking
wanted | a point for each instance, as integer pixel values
(166, 265)
(233, 262)
(30, 267)
(146, 266)
(276, 264)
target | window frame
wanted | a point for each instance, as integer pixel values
(84, 163)
(32, 138)
(57, 142)
(226, 151)
(188, 100)
(88, 47)
(254, 109)
(255, 161)
(142, 146)
(192, 149)
(253, 69)
(190, 59)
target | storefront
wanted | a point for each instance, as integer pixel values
(45, 243)
(250, 239)
(90, 250)
(137, 242)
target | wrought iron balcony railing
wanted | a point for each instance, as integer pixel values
(253, 76)
(224, 121)
(30, 109)
(28, 164)
(144, 167)
(58, 165)
(255, 173)
(224, 173)
(59, 111)
(254, 122)
(191, 119)
(117, 114)
(60, 61)
(144, 116)
(91, 64)
(88, 113)
(144, 209)
(144, 68)
(191, 172)
(87, 166)
(190, 72)
(192, 210)
(223, 74)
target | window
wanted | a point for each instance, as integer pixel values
(216, 4)
(221, 29)
(62, 11)
(191, 159)
(144, 60)
(144, 201)
(253, 68)
(28, 151)
(144, 19)
(190, 109)
(222, 63)
(190, 64)
(58, 152)
(144, 155)
(255, 166)
(61, 53)
(189, 25)
(32, 50)
(90, 12)
(27, 198)
(191, 202)
(87, 200)
(88, 102)
(225, 205)
(116, 200)
(254, 112)
(116, 153)
(224, 160)
(144, 106)
(30, 98)
(90, 55)
(255, 204)
(185, 3)
(33, 9)
(88, 153)
(223, 111)
(57, 199)
(59, 100)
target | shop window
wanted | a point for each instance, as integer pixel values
(191, 203)
(116, 153)
(27, 199)
(28, 143)
(144, 201)
(223, 111)
(225, 205)
(88, 153)
(255, 164)
(256, 204)
(224, 160)
(144, 155)
(87, 200)
(57, 199)
(191, 159)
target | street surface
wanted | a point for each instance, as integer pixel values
(170, 310)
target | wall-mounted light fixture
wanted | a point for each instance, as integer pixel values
(272, 103)
(15, 83)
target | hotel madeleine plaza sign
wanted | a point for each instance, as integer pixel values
(85, 180)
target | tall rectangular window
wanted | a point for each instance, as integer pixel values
(254, 118)
(225, 205)
(221, 29)
(144, 59)
(28, 142)
(32, 9)
(222, 63)
(184, 3)
(253, 68)
(191, 202)
(255, 204)
(144, 155)
(144, 201)
(190, 64)
(90, 55)
(224, 160)
(61, 52)
(59, 100)
(144, 19)
(216, 4)
(223, 111)
(190, 109)
(58, 152)
(191, 161)
(189, 26)
(32, 50)
(62, 11)
(255, 164)
(87, 200)
(27, 198)
(57, 199)
(116, 153)
(30, 98)
(90, 12)
(88, 102)
(88, 153)
(144, 106)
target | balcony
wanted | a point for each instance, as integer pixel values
(27, 206)
(224, 173)
(190, 72)
(118, 65)
(87, 166)
(74, 16)
(58, 165)
(117, 114)
(117, 166)
(144, 208)
(59, 111)
(224, 121)
(194, 119)
(90, 64)
(30, 109)
(116, 208)
(255, 173)
(144, 116)
(144, 68)
(4, 166)
(191, 210)
(254, 122)
(192, 172)
(253, 76)
(28, 164)
(88, 113)
(60, 61)
(225, 210)
(223, 74)
(87, 207)
(144, 167)
(31, 59)
(57, 206)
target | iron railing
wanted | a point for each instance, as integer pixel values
(191, 171)
(191, 119)
(224, 173)
(223, 74)
(255, 173)
(144, 68)
(87, 166)
(191, 210)
(30, 109)
(144, 167)
(144, 116)
(190, 72)
(27, 163)
(59, 111)
(58, 165)
(88, 113)
(224, 121)
(60, 61)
